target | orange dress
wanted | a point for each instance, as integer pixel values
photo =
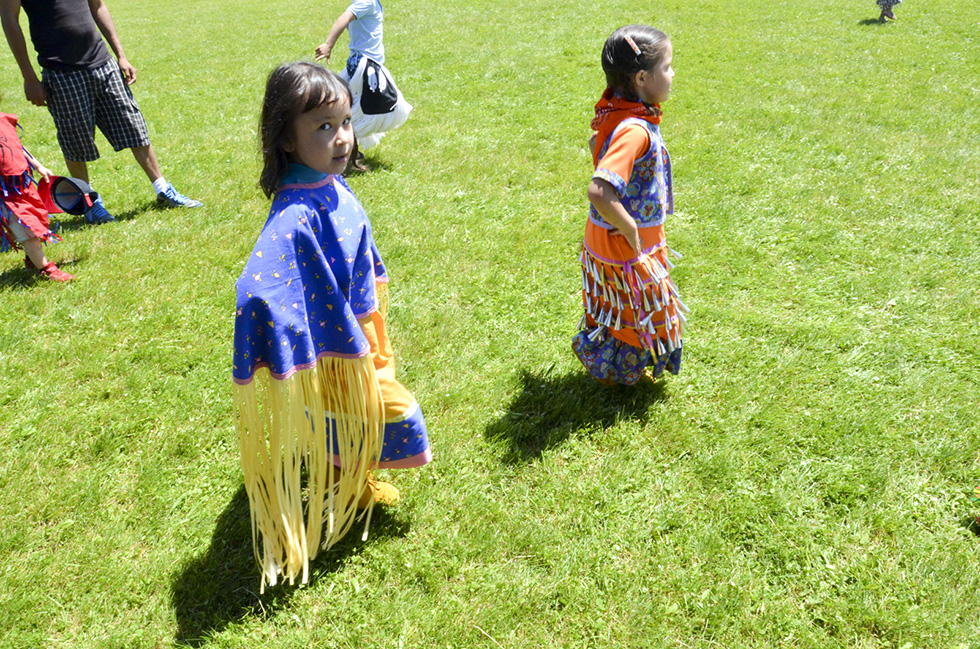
(633, 312)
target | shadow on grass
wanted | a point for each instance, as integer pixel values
(871, 21)
(20, 277)
(372, 164)
(971, 524)
(222, 585)
(547, 409)
(73, 223)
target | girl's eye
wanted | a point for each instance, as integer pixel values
(346, 122)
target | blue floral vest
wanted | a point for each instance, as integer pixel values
(648, 196)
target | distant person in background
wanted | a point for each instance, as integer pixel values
(378, 105)
(886, 9)
(84, 87)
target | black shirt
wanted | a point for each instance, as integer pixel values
(65, 35)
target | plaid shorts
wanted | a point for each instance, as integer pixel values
(80, 100)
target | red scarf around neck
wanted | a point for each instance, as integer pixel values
(612, 109)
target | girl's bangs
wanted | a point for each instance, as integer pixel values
(324, 89)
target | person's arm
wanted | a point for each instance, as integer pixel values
(103, 20)
(324, 50)
(41, 169)
(617, 164)
(603, 196)
(10, 17)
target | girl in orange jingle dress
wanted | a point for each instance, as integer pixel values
(633, 315)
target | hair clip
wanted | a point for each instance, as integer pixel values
(632, 44)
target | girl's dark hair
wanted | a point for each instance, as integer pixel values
(620, 61)
(292, 89)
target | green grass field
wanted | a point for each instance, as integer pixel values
(805, 481)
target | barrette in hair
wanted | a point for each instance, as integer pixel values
(636, 49)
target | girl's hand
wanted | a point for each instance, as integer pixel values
(603, 196)
(632, 238)
(323, 52)
(44, 171)
(36, 165)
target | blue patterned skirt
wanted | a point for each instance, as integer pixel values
(610, 360)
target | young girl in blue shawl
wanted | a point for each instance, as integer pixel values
(316, 400)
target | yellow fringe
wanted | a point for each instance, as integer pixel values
(299, 502)
(381, 289)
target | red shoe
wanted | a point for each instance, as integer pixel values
(53, 272)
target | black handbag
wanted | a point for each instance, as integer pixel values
(379, 94)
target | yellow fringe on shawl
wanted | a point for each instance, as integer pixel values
(289, 472)
(381, 290)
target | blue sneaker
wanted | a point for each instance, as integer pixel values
(170, 197)
(98, 214)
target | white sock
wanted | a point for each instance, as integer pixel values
(159, 185)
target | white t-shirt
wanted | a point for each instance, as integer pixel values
(366, 31)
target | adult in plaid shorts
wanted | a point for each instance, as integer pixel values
(83, 86)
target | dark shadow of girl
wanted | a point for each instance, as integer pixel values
(548, 408)
(222, 585)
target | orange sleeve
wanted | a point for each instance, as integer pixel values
(616, 166)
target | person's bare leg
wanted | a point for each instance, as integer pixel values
(47, 269)
(97, 213)
(147, 159)
(35, 252)
(167, 195)
(77, 169)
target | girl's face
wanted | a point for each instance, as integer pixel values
(652, 86)
(322, 138)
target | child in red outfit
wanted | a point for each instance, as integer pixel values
(23, 215)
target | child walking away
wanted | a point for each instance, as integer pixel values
(633, 314)
(378, 105)
(316, 402)
(23, 215)
(886, 9)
